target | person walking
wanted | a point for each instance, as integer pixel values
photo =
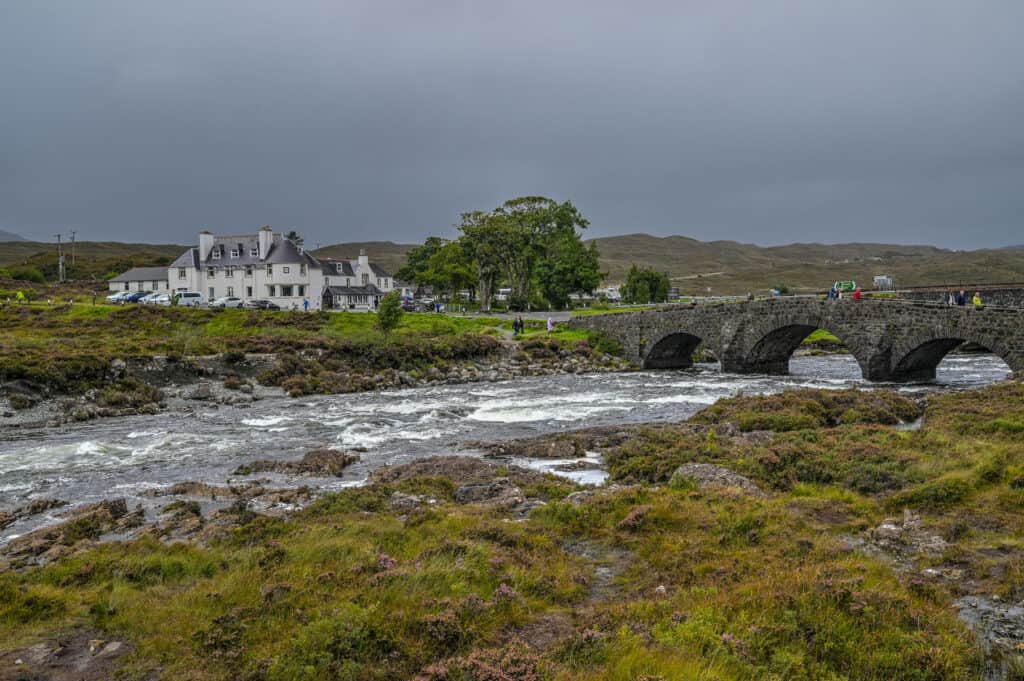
(856, 293)
(20, 297)
(952, 299)
(305, 304)
(832, 293)
(961, 298)
(551, 325)
(977, 301)
(94, 298)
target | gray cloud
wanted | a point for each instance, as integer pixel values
(764, 122)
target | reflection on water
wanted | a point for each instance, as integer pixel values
(129, 456)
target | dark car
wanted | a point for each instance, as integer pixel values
(409, 306)
(261, 304)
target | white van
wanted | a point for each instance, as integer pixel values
(190, 299)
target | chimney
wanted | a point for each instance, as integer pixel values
(205, 244)
(364, 262)
(266, 238)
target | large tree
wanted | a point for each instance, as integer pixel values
(482, 242)
(568, 267)
(417, 261)
(645, 286)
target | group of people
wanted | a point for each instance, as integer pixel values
(837, 293)
(518, 325)
(960, 299)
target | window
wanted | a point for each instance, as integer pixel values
(338, 266)
(229, 271)
(254, 252)
(270, 290)
(348, 281)
(181, 273)
(211, 272)
(248, 270)
(378, 282)
(248, 291)
(212, 294)
(234, 252)
(270, 270)
(366, 280)
(231, 291)
(286, 291)
(302, 270)
(302, 291)
(327, 281)
(286, 269)
(126, 286)
(156, 285)
(216, 253)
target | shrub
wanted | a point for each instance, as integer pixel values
(932, 495)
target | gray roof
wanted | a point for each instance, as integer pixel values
(330, 267)
(189, 258)
(368, 290)
(143, 274)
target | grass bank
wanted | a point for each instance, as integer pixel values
(661, 577)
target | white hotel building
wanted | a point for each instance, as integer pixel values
(268, 266)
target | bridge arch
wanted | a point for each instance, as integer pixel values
(917, 358)
(672, 351)
(773, 339)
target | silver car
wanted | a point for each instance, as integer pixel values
(227, 301)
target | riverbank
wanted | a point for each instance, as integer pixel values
(75, 363)
(799, 535)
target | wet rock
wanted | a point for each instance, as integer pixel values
(406, 502)
(906, 536)
(34, 507)
(1000, 628)
(499, 493)
(710, 476)
(460, 469)
(325, 462)
(201, 392)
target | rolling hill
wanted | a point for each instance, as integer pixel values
(93, 259)
(10, 236)
(733, 267)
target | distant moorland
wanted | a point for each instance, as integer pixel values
(725, 266)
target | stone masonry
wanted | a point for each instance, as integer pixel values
(892, 340)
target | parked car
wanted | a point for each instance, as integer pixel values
(160, 299)
(261, 304)
(227, 301)
(190, 299)
(148, 300)
(409, 306)
(135, 296)
(116, 297)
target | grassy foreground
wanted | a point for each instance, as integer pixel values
(656, 579)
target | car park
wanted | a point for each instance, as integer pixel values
(116, 297)
(135, 296)
(261, 304)
(160, 299)
(226, 301)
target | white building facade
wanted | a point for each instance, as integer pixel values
(268, 266)
(152, 279)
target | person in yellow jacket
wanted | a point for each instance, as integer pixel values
(977, 300)
(21, 297)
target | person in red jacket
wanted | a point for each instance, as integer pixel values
(856, 293)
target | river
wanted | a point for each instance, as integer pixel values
(133, 456)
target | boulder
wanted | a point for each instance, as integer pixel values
(500, 493)
(906, 536)
(710, 476)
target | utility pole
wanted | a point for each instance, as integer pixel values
(60, 259)
(73, 259)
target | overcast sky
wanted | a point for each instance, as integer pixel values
(767, 122)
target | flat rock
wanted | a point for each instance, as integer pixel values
(710, 476)
(500, 493)
(325, 462)
(906, 536)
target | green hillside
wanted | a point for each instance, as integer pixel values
(93, 259)
(731, 267)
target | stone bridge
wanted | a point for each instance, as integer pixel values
(892, 340)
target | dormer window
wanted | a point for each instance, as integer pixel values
(216, 254)
(255, 252)
(234, 253)
(302, 270)
(337, 266)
